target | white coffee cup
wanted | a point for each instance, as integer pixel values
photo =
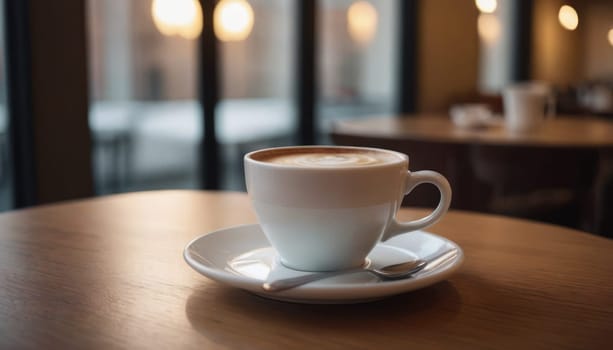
(327, 212)
(524, 106)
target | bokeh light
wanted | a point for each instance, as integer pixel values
(488, 27)
(233, 20)
(486, 6)
(568, 17)
(177, 17)
(362, 21)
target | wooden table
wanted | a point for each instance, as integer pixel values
(108, 273)
(568, 152)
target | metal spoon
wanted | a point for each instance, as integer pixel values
(394, 271)
(386, 272)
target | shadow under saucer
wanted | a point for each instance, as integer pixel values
(226, 315)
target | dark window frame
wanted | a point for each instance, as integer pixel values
(47, 97)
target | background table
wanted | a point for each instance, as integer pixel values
(562, 131)
(567, 162)
(108, 273)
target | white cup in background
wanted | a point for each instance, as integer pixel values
(525, 105)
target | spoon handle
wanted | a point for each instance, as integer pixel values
(291, 282)
(287, 283)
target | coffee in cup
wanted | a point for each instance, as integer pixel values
(325, 157)
(324, 208)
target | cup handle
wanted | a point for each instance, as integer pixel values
(413, 180)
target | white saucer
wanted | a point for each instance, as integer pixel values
(241, 256)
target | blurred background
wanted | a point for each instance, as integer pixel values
(144, 82)
(110, 96)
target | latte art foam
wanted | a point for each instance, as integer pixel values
(326, 158)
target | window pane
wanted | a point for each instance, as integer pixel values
(256, 107)
(145, 121)
(357, 55)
